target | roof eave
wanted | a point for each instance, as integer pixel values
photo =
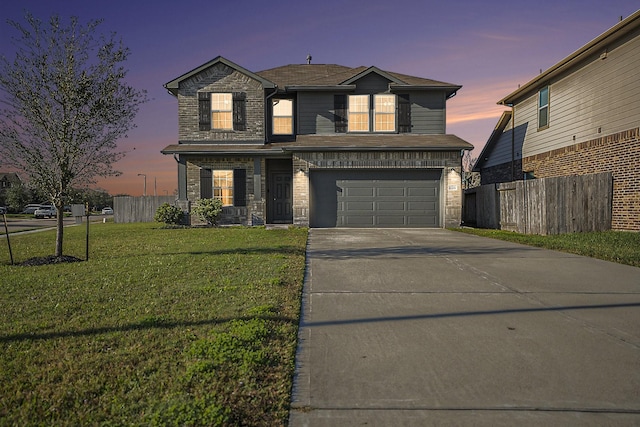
(594, 46)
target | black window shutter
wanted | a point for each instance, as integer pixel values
(206, 184)
(404, 114)
(239, 111)
(204, 110)
(239, 187)
(340, 115)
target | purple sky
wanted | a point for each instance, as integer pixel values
(488, 47)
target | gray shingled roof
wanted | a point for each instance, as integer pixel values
(333, 75)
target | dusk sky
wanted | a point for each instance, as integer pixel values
(488, 47)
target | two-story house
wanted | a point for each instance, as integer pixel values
(317, 145)
(581, 116)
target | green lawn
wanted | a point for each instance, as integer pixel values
(618, 246)
(160, 327)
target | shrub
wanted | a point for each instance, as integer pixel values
(168, 214)
(208, 210)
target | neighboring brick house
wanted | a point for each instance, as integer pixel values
(317, 145)
(581, 116)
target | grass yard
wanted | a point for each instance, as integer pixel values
(188, 327)
(617, 246)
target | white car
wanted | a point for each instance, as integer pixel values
(45, 212)
(107, 211)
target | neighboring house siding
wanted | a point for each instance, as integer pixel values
(601, 98)
(618, 153)
(220, 78)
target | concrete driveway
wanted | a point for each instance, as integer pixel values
(433, 327)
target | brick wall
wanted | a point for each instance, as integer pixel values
(220, 78)
(252, 214)
(618, 153)
(501, 173)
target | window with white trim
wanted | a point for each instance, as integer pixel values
(543, 108)
(358, 113)
(282, 116)
(222, 111)
(384, 113)
(223, 186)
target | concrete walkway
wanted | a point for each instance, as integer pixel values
(433, 327)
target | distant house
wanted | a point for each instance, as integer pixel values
(7, 180)
(318, 145)
(581, 116)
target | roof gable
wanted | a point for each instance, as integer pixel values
(174, 84)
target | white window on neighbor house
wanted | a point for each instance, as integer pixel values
(543, 108)
(223, 186)
(358, 112)
(222, 111)
(384, 113)
(282, 116)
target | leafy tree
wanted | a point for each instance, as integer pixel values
(17, 196)
(66, 104)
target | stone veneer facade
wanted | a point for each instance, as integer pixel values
(220, 78)
(618, 153)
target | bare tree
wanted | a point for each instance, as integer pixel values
(66, 104)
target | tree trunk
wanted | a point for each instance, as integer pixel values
(60, 229)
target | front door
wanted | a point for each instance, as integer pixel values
(280, 197)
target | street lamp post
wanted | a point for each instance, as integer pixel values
(145, 183)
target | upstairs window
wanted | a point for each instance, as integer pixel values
(282, 116)
(358, 113)
(543, 108)
(221, 111)
(384, 112)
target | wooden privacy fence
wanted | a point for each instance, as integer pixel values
(567, 204)
(138, 209)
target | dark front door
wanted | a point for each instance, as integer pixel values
(280, 197)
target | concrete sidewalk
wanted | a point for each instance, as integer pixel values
(430, 327)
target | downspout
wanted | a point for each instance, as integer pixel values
(266, 111)
(513, 142)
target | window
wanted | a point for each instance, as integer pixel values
(384, 112)
(282, 116)
(543, 108)
(223, 186)
(358, 115)
(221, 111)
(227, 185)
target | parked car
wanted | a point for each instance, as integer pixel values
(45, 212)
(107, 211)
(3, 210)
(30, 209)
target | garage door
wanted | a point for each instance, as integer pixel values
(375, 198)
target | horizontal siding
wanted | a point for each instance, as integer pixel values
(428, 112)
(602, 98)
(315, 113)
